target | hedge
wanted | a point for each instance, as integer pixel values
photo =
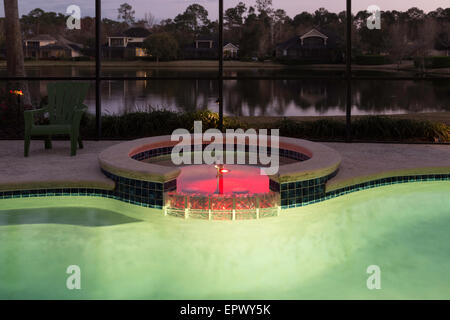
(433, 62)
(367, 128)
(372, 60)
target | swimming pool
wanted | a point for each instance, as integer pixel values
(320, 251)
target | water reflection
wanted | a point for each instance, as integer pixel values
(256, 97)
(277, 97)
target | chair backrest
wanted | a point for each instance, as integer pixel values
(63, 99)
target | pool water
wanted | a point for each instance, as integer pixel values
(318, 251)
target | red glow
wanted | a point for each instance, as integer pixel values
(240, 179)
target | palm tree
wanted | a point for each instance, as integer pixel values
(14, 49)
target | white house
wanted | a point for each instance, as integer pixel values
(230, 50)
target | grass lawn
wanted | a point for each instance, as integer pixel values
(152, 64)
(405, 66)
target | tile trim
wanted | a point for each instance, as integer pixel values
(317, 197)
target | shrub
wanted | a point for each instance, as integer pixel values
(153, 123)
(320, 129)
(367, 128)
(81, 58)
(372, 60)
(432, 62)
(163, 122)
(380, 128)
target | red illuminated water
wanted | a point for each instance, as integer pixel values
(240, 179)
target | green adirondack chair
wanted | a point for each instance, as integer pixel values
(65, 109)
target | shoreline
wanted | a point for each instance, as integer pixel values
(407, 66)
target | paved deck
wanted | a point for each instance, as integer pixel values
(56, 169)
(53, 168)
(369, 161)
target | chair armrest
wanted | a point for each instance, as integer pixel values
(28, 115)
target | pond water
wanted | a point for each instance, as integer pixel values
(316, 97)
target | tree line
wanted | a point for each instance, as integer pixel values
(258, 29)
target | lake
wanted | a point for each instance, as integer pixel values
(315, 97)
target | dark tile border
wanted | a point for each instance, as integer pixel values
(298, 194)
(150, 194)
(144, 193)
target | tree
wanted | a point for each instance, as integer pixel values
(235, 16)
(303, 19)
(264, 6)
(426, 39)
(14, 48)
(234, 20)
(399, 48)
(281, 26)
(199, 13)
(323, 17)
(193, 20)
(37, 21)
(162, 46)
(126, 13)
(149, 19)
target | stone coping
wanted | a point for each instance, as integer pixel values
(334, 184)
(118, 160)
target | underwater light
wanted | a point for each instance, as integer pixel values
(221, 169)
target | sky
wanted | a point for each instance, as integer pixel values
(163, 9)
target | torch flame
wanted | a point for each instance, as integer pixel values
(16, 92)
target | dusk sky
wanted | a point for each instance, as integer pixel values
(162, 9)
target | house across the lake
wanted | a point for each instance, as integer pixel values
(206, 47)
(230, 51)
(45, 46)
(128, 44)
(313, 46)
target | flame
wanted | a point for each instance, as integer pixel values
(16, 92)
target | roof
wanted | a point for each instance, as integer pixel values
(55, 46)
(314, 33)
(64, 44)
(230, 44)
(295, 42)
(136, 32)
(42, 37)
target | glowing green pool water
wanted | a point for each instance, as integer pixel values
(319, 251)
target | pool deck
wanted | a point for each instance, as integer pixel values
(55, 168)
